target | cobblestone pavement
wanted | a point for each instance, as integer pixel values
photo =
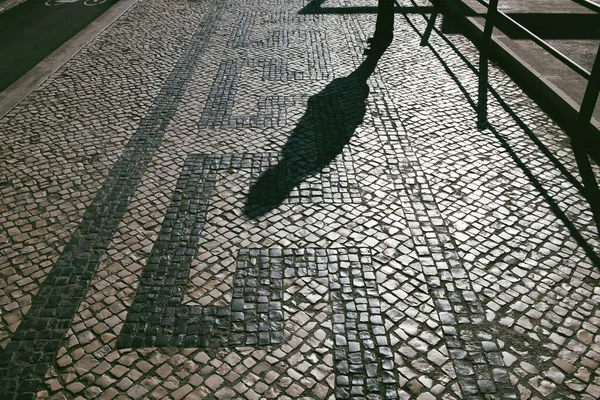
(219, 199)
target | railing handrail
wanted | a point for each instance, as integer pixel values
(542, 43)
(588, 4)
(585, 3)
(581, 140)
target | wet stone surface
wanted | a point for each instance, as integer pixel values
(212, 200)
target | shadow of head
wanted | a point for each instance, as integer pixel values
(330, 120)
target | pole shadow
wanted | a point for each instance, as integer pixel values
(330, 120)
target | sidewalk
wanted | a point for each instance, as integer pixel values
(207, 201)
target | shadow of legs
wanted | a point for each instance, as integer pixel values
(384, 27)
(328, 124)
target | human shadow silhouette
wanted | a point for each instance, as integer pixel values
(330, 120)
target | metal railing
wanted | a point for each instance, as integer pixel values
(593, 77)
(593, 88)
(566, 60)
(580, 131)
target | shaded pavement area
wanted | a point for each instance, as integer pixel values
(218, 199)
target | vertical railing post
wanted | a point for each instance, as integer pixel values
(430, 23)
(582, 143)
(484, 51)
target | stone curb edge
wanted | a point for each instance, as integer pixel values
(29, 82)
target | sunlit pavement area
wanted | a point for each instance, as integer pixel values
(208, 201)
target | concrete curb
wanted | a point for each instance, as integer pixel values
(6, 5)
(29, 82)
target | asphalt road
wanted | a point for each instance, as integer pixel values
(32, 30)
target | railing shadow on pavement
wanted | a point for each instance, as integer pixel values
(584, 142)
(587, 174)
(314, 7)
(328, 124)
